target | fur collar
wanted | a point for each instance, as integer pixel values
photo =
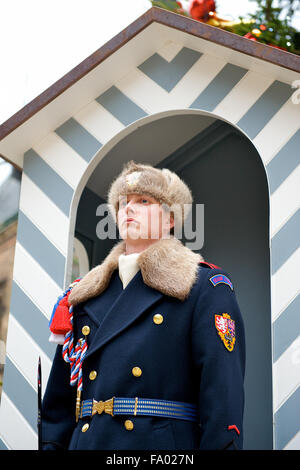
(167, 266)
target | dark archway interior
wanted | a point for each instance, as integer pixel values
(226, 174)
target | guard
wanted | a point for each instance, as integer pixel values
(151, 347)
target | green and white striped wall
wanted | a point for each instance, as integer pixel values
(175, 79)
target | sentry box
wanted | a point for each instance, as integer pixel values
(224, 113)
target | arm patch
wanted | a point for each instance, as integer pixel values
(221, 279)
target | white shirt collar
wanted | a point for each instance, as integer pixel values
(128, 267)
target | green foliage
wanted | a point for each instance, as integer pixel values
(279, 31)
(170, 5)
(273, 23)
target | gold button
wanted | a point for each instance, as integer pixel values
(137, 371)
(93, 375)
(158, 318)
(86, 330)
(128, 425)
(85, 427)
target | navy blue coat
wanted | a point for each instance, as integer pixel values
(184, 358)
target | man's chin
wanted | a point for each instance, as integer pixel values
(130, 238)
(133, 235)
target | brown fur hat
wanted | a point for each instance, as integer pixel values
(162, 184)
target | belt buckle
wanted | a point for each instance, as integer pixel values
(100, 406)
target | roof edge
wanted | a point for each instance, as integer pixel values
(167, 18)
(224, 38)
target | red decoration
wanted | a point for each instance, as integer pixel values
(180, 9)
(250, 36)
(199, 9)
(277, 47)
(61, 324)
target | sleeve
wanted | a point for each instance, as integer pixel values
(218, 348)
(58, 406)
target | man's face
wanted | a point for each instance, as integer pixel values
(142, 217)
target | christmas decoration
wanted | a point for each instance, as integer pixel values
(269, 25)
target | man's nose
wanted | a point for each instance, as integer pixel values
(129, 206)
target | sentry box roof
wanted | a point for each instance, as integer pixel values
(155, 31)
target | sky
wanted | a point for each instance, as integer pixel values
(43, 40)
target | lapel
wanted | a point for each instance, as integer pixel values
(97, 307)
(167, 267)
(128, 306)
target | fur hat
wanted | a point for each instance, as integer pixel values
(164, 185)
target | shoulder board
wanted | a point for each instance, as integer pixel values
(209, 265)
(60, 323)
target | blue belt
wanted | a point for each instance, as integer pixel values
(140, 406)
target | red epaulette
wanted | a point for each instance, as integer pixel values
(210, 265)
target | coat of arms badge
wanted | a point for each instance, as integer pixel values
(226, 329)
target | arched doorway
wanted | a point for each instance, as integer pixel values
(226, 174)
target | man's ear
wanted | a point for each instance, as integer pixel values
(172, 220)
